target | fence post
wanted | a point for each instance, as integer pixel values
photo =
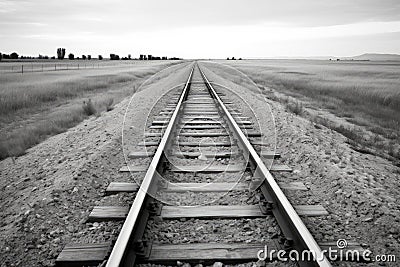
(42, 67)
(22, 69)
(55, 67)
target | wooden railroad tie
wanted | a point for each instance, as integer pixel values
(208, 154)
(107, 213)
(224, 168)
(206, 168)
(118, 187)
(201, 113)
(232, 211)
(202, 127)
(141, 168)
(83, 254)
(204, 134)
(149, 134)
(149, 143)
(264, 154)
(206, 253)
(204, 143)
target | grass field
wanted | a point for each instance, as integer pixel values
(365, 93)
(34, 106)
(46, 65)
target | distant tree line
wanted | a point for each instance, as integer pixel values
(13, 55)
(61, 54)
(114, 57)
(43, 57)
(142, 57)
(233, 58)
(151, 57)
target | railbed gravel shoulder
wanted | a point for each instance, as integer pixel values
(47, 194)
(360, 191)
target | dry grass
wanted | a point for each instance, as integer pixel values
(36, 65)
(16, 143)
(370, 89)
(365, 93)
(38, 105)
(295, 107)
(88, 107)
(27, 94)
(109, 104)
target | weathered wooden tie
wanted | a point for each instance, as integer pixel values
(204, 143)
(223, 168)
(207, 154)
(136, 168)
(253, 134)
(270, 155)
(280, 168)
(232, 211)
(206, 168)
(205, 253)
(83, 254)
(149, 134)
(201, 113)
(140, 154)
(149, 143)
(106, 213)
(158, 127)
(202, 127)
(223, 187)
(118, 187)
(201, 121)
(204, 134)
(160, 122)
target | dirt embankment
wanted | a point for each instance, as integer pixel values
(47, 194)
(360, 191)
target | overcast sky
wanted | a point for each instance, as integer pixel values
(202, 28)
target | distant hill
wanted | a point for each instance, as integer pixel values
(376, 57)
(367, 56)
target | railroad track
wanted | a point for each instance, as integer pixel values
(203, 150)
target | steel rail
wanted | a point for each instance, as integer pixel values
(288, 219)
(132, 220)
